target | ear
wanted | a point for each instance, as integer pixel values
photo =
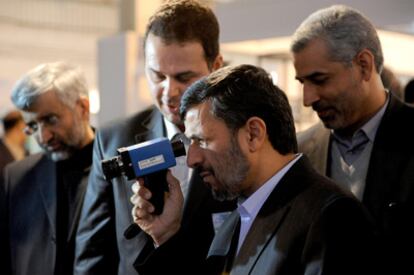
(256, 133)
(83, 104)
(218, 63)
(365, 60)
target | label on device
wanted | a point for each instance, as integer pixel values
(155, 160)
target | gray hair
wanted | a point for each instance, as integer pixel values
(66, 80)
(346, 32)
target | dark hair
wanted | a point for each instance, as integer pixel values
(186, 21)
(11, 119)
(241, 92)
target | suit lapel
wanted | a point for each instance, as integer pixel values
(47, 188)
(150, 128)
(320, 150)
(387, 141)
(262, 232)
(221, 243)
(270, 217)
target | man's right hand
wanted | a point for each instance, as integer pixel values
(160, 227)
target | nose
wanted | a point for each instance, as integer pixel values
(171, 89)
(194, 156)
(310, 94)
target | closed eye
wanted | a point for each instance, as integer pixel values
(185, 77)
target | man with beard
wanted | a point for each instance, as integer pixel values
(181, 45)
(290, 219)
(42, 195)
(367, 144)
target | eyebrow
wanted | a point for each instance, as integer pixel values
(310, 76)
(177, 75)
(41, 118)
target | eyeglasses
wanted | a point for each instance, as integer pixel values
(48, 121)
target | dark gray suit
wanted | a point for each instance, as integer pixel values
(101, 245)
(307, 225)
(29, 199)
(389, 192)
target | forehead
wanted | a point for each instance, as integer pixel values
(46, 103)
(174, 57)
(314, 56)
(199, 121)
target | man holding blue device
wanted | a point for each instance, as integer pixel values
(181, 45)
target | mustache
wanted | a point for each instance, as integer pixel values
(200, 169)
(174, 101)
(320, 106)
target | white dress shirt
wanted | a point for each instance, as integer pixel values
(250, 207)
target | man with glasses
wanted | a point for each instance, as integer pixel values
(43, 194)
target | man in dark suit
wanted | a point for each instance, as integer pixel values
(243, 143)
(365, 144)
(181, 46)
(42, 194)
(13, 141)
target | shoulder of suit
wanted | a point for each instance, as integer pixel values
(396, 126)
(317, 188)
(322, 182)
(313, 132)
(27, 163)
(125, 124)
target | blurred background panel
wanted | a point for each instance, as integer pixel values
(104, 37)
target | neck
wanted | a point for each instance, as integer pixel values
(89, 136)
(369, 107)
(267, 166)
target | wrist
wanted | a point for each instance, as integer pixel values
(167, 235)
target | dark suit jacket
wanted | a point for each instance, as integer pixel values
(389, 192)
(101, 245)
(5, 158)
(29, 200)
(307, 225)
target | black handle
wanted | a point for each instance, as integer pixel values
(132, 230)
(157, 184)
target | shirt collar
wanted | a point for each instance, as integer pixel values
(250, 207)
(370, 128)
(173, 132)
(171, 128)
